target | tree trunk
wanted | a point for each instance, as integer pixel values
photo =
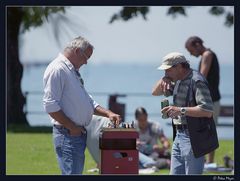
(15, 98)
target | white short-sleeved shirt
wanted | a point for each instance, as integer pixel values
(151, 135)
(64, 91)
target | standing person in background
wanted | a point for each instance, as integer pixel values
(70, 106)
(194, 131)
(208, 67)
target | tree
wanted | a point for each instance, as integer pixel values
(127, 13)
(20, 19)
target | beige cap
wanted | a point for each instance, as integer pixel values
(172, 59)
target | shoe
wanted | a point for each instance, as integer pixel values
(228, 162)
(93, 170)
(226, 159)
(149, 170)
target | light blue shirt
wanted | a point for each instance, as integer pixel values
(64, 91)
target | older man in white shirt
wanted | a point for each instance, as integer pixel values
(70, 106)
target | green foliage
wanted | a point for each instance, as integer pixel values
(229, 19)
(219, 10)
(174, 11)
(216, 10)
(128, 13)
(36, 16)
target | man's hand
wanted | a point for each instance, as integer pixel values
(74, 130)
(115, 118)
(77, 131)
(172, 111)
(162, 86)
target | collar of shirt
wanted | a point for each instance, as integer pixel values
(188, 76)
(70, 66)
(66, 61)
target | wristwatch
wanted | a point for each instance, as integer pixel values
(183, 111)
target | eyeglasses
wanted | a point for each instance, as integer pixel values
(84, 54)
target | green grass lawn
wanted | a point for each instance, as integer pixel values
(32, 153)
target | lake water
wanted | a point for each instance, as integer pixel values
(136, 81)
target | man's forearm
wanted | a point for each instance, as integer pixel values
(101, 111)
(197, 112)
(157, 90)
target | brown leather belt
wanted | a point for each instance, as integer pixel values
(62, 127)
(181, 126)
(59, 126)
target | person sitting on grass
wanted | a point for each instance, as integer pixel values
(150, 133)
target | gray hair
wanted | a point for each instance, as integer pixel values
(80, 43)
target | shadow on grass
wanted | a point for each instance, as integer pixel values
(19, 128)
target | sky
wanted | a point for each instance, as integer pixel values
(134, 42)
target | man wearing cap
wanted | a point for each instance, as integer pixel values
(194, 130)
